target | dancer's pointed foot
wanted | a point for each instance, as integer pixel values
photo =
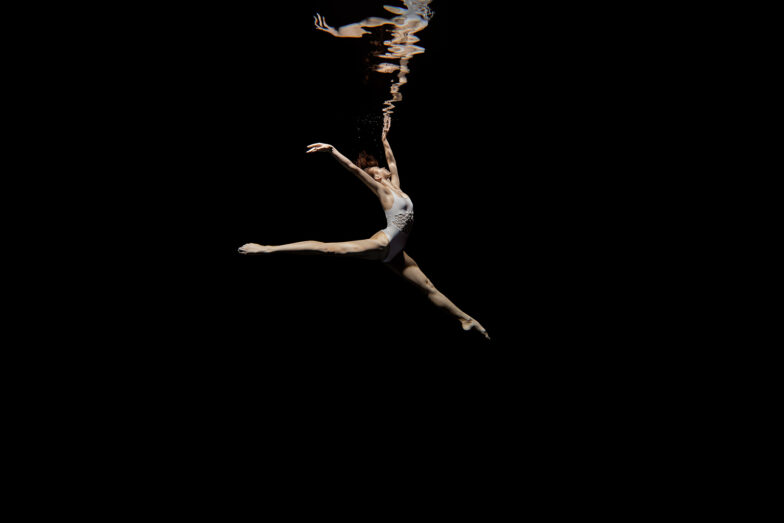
(471, 323)
(254, 248)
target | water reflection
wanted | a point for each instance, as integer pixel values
(397, 50)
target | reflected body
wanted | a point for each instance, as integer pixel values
(400, 48)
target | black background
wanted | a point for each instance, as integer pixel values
(178, 134)
(189, 128)
(163, 138)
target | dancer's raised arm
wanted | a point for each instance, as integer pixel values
(391, 163)
(368, 180)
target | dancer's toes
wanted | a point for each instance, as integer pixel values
(253, 248)
(473, 324)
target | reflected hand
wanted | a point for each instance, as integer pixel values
(321, 25)
(317, 147)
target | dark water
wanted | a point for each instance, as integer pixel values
(196, 125)
(181, 135)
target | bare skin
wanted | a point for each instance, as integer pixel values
(383, 183)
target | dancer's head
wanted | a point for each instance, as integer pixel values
(369, 164)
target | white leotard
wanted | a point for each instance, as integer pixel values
(400, 219)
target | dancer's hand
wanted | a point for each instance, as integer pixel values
(316, 147)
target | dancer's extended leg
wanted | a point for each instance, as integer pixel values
(372, 248)
(405, 266)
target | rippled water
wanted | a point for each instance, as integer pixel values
(399, 47)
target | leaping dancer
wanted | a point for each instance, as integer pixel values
(385, 245)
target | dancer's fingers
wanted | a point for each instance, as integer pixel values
(315, 147)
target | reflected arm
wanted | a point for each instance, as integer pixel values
(355, 30)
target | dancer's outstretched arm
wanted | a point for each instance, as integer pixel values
(405, 266)
(391, 163)
(368, 180)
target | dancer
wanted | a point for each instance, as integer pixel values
(385, 245)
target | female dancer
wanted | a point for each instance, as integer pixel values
(386, 245)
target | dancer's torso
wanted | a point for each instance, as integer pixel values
(401, 214)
